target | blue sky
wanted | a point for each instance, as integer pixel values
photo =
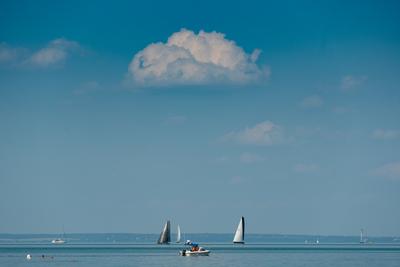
(301, 138)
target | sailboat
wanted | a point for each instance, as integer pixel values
(239, 235)
(178, 235)
(363, 239)
(165, 236)
(59, 241)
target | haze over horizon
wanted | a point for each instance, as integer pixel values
(117, 117)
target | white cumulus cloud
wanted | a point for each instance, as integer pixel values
(264, 133)
(55, 52)
(188, 58)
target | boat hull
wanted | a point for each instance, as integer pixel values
(195, 253)
(58, 242)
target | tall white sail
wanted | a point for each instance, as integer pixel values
(363, 238)
(239, 235)
(178, 235)
(165, 236)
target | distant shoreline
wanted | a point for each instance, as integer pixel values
(80, 238)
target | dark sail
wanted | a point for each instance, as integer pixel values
(165, 236)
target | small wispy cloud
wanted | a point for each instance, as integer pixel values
(385, 134)
(305, 168)
(175, 120)
(352, 82)
(10, 55)
(7, 53)
(222, 159)
(188, 58)
(236, 180)
(389, 170)
(56, 52)
(313, 101)
(342, 110)
(87, 87)
(264, 133)
(247, 157)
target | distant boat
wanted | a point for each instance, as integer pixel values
(58, 241)
(165, 236)
(178, 235)
(363, 239)
(239, 235)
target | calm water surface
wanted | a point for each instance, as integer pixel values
(222, 255)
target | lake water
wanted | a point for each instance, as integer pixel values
(139, 250)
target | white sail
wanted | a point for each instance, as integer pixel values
(363, 238)
(239, 235)
(178, 235)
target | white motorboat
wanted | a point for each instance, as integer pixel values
(194, 250)
(200, 252)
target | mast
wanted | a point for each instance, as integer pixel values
(239, 234)
(165, 236)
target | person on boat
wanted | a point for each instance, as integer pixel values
(194, 247)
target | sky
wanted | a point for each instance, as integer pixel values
(116, 116)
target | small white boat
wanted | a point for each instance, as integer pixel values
(58, 241)
(200, 252)
(194, 250)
